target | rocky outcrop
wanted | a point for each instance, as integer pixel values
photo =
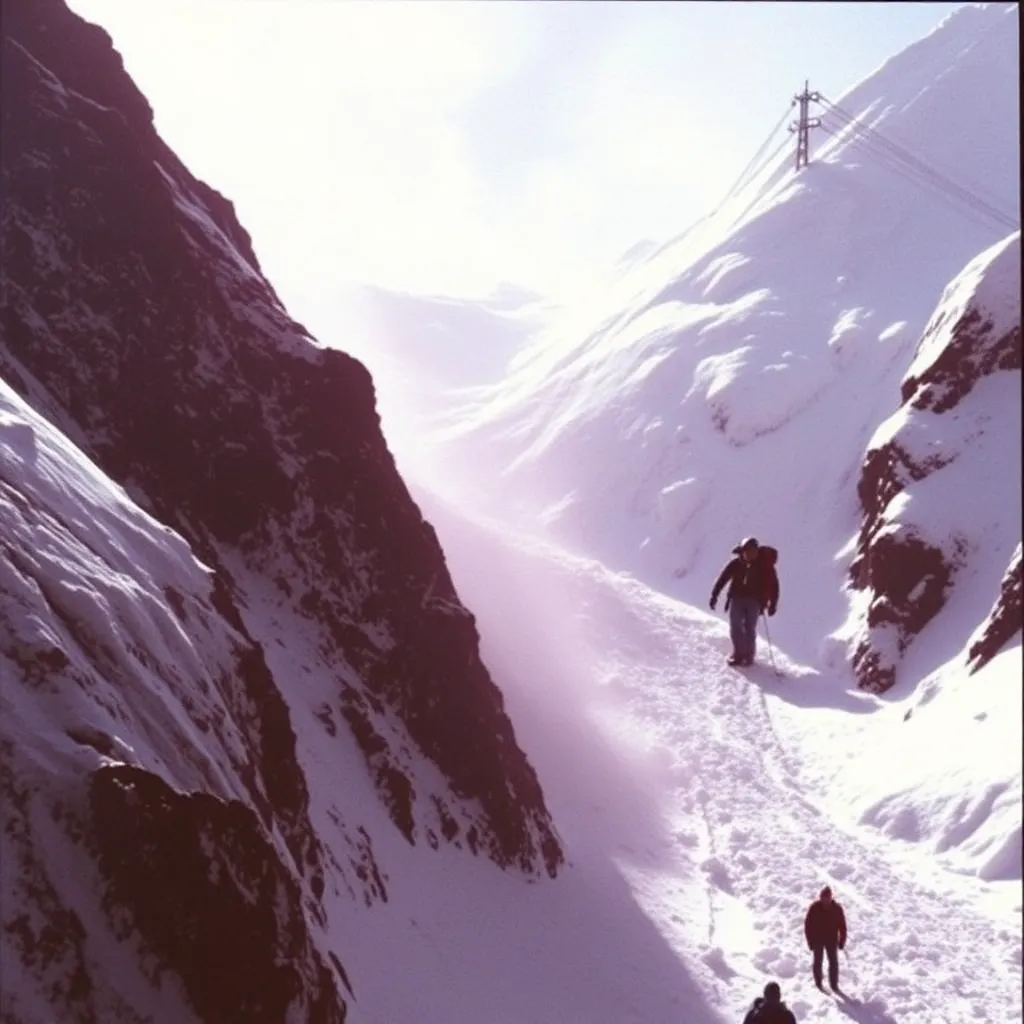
(1003, 622)
(909, 579)
(978, 347)
(910, 551)
(198, 879)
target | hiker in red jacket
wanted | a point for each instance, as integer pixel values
(753, 589)
(825, 930)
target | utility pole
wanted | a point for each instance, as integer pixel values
(804, 125)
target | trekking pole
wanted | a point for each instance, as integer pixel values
(771, 654)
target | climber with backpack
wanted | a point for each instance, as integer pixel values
(753, 590)
(769, 1008)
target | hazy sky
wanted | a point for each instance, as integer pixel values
(444, 146)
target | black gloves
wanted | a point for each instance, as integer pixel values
(771, 609)
(714, 601)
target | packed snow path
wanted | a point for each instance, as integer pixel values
(735, 847)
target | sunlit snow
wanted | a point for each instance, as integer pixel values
(588, 473)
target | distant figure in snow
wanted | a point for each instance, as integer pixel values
(825, 929)
(753, 589)
(769, 1008)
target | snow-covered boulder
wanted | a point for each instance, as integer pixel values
(940, 485)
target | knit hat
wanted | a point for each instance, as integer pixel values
(772, 992)
(826, 893)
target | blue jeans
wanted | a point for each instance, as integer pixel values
(743, 614)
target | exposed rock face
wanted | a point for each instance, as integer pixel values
(137, 321)
(908, 556)
(977, 348)
(201, 882)
(1005, 619)
(910, 579)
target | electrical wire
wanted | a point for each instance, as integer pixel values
(901, 160)
(748, 171)
(933, 174)
(883, 159)
(963, 204)
(765, 163)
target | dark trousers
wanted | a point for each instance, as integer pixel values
(743, 613)
(830, 950)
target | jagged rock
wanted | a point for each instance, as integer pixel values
(976, 349)
(207, 893)
(95, 669)
(1003, 622)
(909, 579)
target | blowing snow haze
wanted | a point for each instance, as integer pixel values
(372, 678)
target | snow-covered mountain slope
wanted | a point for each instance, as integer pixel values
(426, 351)
(443, 343)
(725, 799)
(286, 717)
(248, 740)
(946, 772)
(730, 383)
(940, 485)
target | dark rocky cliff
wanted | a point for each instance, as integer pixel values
(1005, 619)
(136, 319)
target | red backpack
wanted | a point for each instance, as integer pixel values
(768, 558)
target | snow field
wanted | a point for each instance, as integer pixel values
(740, 832)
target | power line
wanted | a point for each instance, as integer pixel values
(753, 168)
(893, 157)
(903, 171)
(898, 158)
(914, 177)
(742, 179)
(907, 157)
(753, 202)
